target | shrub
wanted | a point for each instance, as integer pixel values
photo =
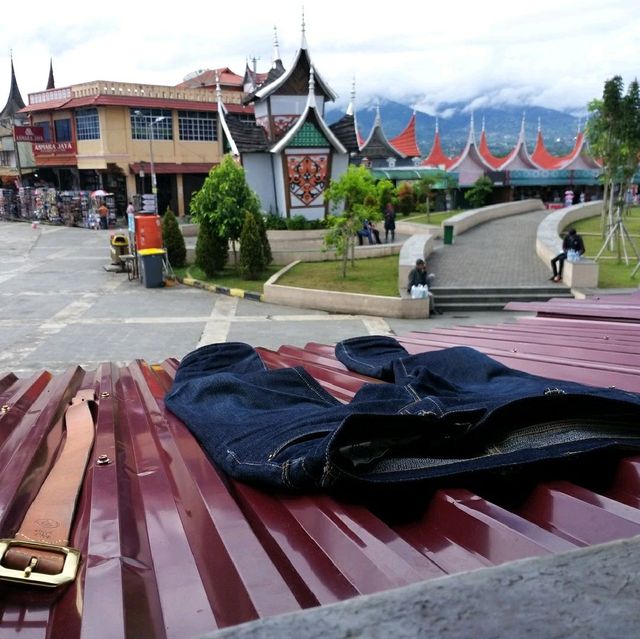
(252, 259)
(275, 222)
(173, 240)
(212, 250)
(297, 223)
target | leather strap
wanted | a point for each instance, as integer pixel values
(50, 516)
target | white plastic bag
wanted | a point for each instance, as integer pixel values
(573, 255)
(419, 291)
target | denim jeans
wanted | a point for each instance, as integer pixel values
(439, 414)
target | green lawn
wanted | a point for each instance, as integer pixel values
(613, 273)
(421, 218)
(373, 276)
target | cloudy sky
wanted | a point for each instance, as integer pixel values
(551, 53)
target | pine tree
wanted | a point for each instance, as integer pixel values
(211, 249)
(252, 261)
(173, 239)
(262, 231)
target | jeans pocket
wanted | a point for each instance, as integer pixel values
(301, 438)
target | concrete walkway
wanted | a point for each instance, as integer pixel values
(500, 253)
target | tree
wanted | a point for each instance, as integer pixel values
(173, 239)
(212, 250)
(613, 131)
(386, 193)
(252, 259)
(423, 190)
(350, 192)
(406, 198)
(262, 232)
(478, 194)
(224, 199)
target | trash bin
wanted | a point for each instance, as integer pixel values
(448, 234)
(151, 262)
(119, 247)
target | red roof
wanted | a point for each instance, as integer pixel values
(543, 158)
(137, 102)
(208, 79)
(486, 154)
(437, 156)
(406, 142)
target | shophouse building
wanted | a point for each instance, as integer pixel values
(115, 136)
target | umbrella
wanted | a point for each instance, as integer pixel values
(99, 193)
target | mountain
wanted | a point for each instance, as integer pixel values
(502, 125)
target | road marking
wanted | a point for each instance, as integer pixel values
(217, 327)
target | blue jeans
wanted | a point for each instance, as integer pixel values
(440, 414)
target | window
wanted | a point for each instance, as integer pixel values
(154, 123)
(46, 129)
(63, 130)
(87, 124)
(196, 125)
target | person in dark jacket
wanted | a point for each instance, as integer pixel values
(420, 276)
(572, 242)
(389, 222)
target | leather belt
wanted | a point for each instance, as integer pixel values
(39, 553)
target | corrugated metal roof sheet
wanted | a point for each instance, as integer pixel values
(173, 548)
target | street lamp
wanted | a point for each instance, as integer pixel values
(149, 125)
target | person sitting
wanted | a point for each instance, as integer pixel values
(572, 242)
(369, 231)
(418, 276)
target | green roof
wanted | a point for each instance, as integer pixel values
(309, 135)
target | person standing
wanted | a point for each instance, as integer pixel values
(389, 222)
(572, 242)
(103, 212)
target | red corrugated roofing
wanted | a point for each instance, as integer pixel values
(405, 142)
(171, 547)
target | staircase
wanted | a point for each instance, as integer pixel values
(493, 299)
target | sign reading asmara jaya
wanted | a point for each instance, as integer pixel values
(28, 133)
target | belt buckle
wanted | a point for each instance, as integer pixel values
(30, 575)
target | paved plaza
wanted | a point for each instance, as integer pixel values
(60, 307)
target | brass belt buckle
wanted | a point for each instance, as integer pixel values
(30, 575)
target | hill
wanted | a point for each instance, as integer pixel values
(502, 125)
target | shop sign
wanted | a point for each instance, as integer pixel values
(54, 148)
(28, 133)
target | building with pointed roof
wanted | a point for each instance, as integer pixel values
(405, 142)
(436, 157)
(16, 158)
(470, 164)
(289, 153)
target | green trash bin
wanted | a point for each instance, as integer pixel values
(151, 267)
(448, 234)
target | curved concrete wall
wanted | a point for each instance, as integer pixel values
(468, 219)
(337, 302)
(548, 243)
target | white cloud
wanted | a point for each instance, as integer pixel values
(549, 53)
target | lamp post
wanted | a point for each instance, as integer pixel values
(149, 125)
